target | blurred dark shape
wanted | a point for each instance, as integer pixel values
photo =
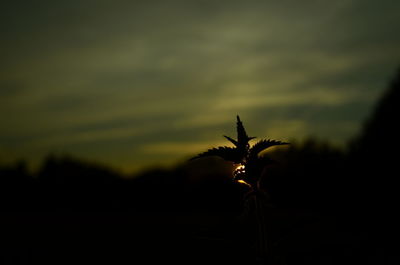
(64, 183)
(373, 166)
(374, 153)
(307, 175)
(16, 187)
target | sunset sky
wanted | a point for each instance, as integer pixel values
(140, 83)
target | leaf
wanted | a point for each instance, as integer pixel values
(231, 140)
(262, 145)
(227, 153)
(242, 137)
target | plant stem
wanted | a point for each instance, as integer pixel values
(262, 231)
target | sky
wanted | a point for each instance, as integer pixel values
(140, 83)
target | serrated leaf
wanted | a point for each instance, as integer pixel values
(226, 153)
(243, 139)
(231, 140)
(262, 145)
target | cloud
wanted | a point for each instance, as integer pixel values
(94, 78)
(180, 148)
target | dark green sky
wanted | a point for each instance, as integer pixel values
(136, 83)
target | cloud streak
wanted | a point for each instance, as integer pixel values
(93, 78)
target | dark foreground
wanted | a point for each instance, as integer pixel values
(298, 237)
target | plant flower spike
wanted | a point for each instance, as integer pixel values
(248, 171)
(249, 163)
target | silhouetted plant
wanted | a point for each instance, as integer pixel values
(249, 163)
(249, 168)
